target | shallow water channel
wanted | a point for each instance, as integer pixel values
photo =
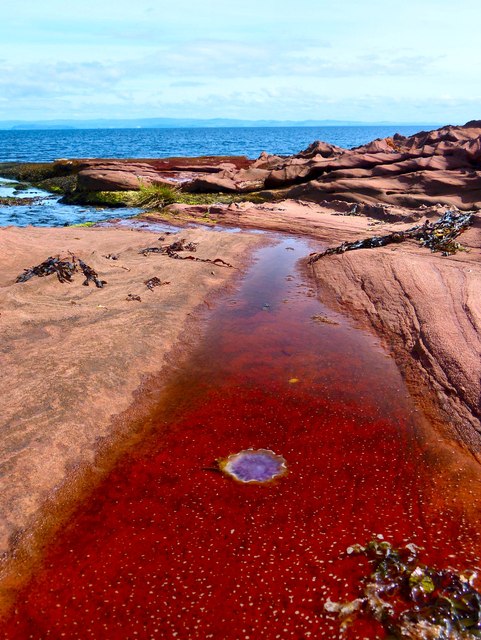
(42, 209)
(168, 547)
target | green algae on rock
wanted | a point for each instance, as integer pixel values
(13, 201)
(411, 600)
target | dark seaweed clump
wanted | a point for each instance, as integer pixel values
(13, 201)
(411, 600)
(64, 268)
(172, 251)
(437, 236)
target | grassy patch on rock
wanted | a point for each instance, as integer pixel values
(60, 177)
(160, 196)
(112, 199)
(156, 197)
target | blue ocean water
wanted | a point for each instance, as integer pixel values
(44, 146)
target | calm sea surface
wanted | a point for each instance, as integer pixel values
(44, 146)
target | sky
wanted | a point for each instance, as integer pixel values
(369, 60)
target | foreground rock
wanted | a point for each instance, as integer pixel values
(74, 356)
(427, 309)
(318, 220)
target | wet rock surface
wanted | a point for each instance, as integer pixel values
(423, 304)
(427, 309)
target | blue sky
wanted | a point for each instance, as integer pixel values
(409, 61)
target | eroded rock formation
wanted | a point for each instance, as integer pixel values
(441, 166)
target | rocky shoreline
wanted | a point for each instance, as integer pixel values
(427, 168)
(423, 305)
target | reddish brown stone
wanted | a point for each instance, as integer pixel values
(441, 166)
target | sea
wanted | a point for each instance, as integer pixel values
(45, 146)
(49, 145)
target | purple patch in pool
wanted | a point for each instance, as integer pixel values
(254, 465)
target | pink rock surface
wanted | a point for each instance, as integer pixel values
(73, 357)
(130, 175)
(441, 166)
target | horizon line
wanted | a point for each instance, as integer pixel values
(160, 122)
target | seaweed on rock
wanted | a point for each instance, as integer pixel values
(151, 283)
(437, 236)
(172, 251)
(411, 600)
(64, 268)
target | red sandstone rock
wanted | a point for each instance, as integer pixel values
(323, 149)
(127, 175)
(116, 177)
(441, 166)
(265, 161)
(437, 166)
(289, 174)
(211, 184)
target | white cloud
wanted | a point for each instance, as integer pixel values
(255, 59)
(228, 59)
(197, 63)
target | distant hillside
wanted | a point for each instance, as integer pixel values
(32, 126)
(165, 123)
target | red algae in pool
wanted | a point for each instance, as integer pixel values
(167, 547)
